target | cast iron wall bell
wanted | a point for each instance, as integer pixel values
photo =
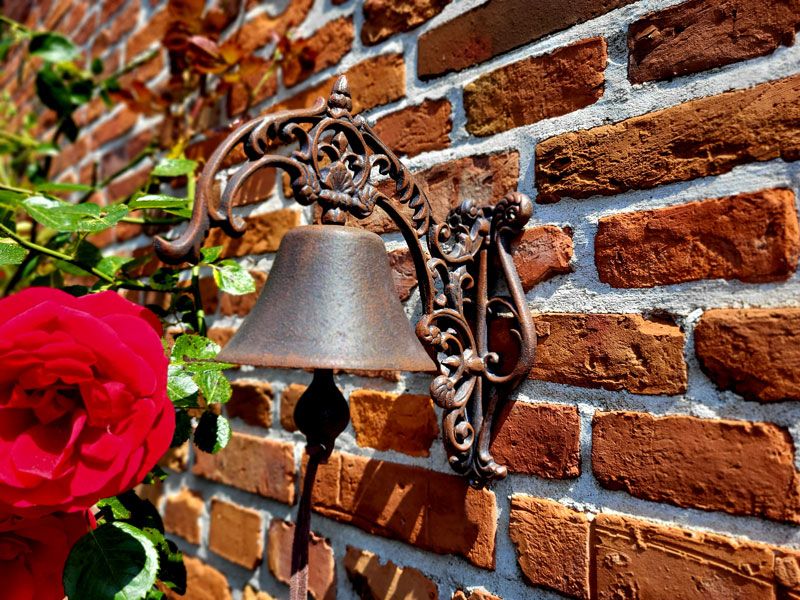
(329, 301)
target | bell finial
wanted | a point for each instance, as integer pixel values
(340, 101)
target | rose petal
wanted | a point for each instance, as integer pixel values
(41, 449)
(18, 303)
(111, 303)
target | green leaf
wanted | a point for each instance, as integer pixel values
(110, 265)
(214, 386)
(52, 186)
(183, 428)
(53, 92)
(11, 253)
(174, 167)
(233, 278)
(157, 201)
(172, 571)
(113, 509)
(97, 66)
(211, 254)
(63, 216)
(181, 388)
(52, 47)
(194, 346)
(116, 561)
(213, 433)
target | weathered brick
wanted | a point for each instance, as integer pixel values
(475, 594)
(754, 352)
(373, 82)
(256, 188)
(264, 233)
(127, 184)
(539, 439)
(202, 582)
(552, 543)
(739, 467)
(114, 126)
(610, 351)
(182, 513)
(220, 334)
(323, 49)
(700, 138)
(405, 423)
(258, 81)
(145, 36)
(433, 511)
(289, 397)
(657, 561)
(251, 401)
(484, 178)
(384, 18)
(235, 533)
(374, 581)
(702, 34)
(321, 564)
(253, 464)
(261, 30)
(541, 253)
(403, 272)
(416, 129)
(536, 88)
(498, 26)
(250, 594)
(751, 237)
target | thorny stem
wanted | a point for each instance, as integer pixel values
(200, 316)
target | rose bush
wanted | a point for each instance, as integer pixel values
(33, 552)
(84, 412)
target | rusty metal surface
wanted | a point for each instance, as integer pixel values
(329, 303)
(467, 279)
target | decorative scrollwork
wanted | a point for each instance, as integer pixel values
(466, 275)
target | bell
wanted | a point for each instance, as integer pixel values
(329, 303)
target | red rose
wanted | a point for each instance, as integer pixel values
(33, 553)
(84, 412)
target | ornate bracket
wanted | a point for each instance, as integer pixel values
(467, 279)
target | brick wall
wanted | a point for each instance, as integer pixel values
(652, 450)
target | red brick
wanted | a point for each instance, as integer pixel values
(434, 511)
(416, 129)
(384, 18)
(147, 35)
(374, 581)
(114, 126)
(373, 82)
(323, 49)
(253, 464)
(127, 184)
(251, 401)
(656, 561)
(220, 334)
(235, 533)
(541, 253)
(552, 543)
(256, 189)
(738, 467)
(610, 351)
(262, 29)
(258, 80)
(289, 398)
(202, 582)
(751, 237)
(536, 88)
(754, 352)
(124, 21)
(321, 564)
(405, 423)
(498, 26)
(182, 513)
(403, 272)
(484, 178)
(264, 234)
(539, 439)
(700, 138)
(702, 34)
